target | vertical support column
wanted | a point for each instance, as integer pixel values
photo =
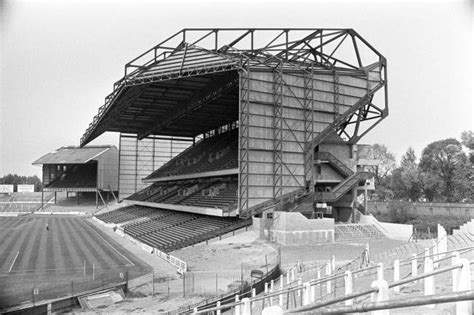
(428, 282)
(309, 129)
(244, 97)
(328, 274)
(348, 286)
(380, 271)
(462, 282)
(396, 274)
(278, 134)
(381, 295)
(414, 266)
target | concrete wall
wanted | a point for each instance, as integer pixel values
(428, 208)
(394, 231)
(293, 228)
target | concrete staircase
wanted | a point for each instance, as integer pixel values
(350, 232)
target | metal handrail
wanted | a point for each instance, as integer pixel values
(373, 290)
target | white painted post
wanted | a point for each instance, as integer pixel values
(272, 310)
(272, 288)
(218, 304)
(237, 307)
(428, 282)
(380, 271)
(348, 286)
(292, 274)
(254, 292)
(300, 284)
(313, 293)
(435, 255)
(307, 296)
(414, 267)
(195, 310)
(280, 297)
(328, 274)
(381, 295)
(462, 282)
(265, 291)
(246, 309)
(288, 278)
(333, 263)
(396, 274)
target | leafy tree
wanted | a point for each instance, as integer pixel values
(386, 161)
(440, 162)
(406, 181)
(467, 140)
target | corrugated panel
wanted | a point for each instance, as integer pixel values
(185, 60)
(72, 155)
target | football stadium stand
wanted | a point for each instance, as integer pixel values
(170, 230)
(211, 154)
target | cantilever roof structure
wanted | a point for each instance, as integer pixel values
(72, 155)
(174, 87)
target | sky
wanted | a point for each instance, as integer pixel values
(59, 59)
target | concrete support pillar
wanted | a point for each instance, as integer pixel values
(348, 286)
(307, 296)
(381, 295)
(380, 271)
(414, 266)
(462, 282)
(237, 307)
(280, 297)
(246, 309)
(428, 282)
(396, 274)
(328, 274)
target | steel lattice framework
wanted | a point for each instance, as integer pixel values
(211, 65)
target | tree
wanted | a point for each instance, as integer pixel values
(406, 182)
(467, 140)
(440, 162)
(386, 162)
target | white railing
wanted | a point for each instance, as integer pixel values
(272, 301)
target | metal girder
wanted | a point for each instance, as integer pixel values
(198, 99)
(301, 48)
(308, 128)
(278, 133)
(243, 154)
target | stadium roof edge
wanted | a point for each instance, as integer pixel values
(194, 52)
(73, 154)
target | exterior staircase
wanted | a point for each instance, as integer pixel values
(342, 188)
(334, 162)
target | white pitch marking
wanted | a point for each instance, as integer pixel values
(14, 260)
(110, 245)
